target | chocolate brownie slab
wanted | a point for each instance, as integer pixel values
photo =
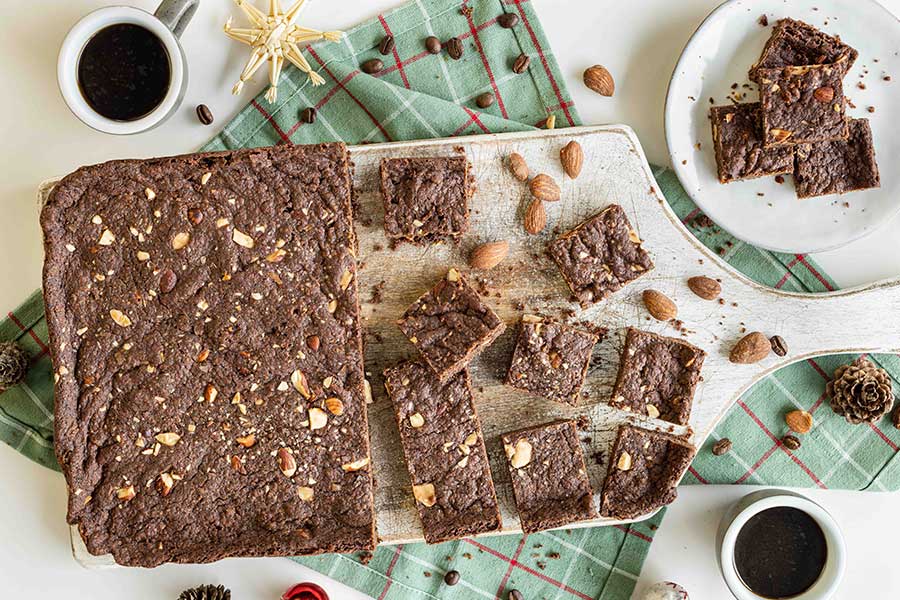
(450, 324)
(551, 359)
(600, 256)
(739, 149)
(840, 166)
(204, 330)
(795, 43)
(644, 469)
(549, 478)
(426, 200)
(802, 105)
(444, 451)
(657, 376)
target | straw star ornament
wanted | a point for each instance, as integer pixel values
(273, 38)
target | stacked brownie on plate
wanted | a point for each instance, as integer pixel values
(800, 125)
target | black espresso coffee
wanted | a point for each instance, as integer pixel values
(780, 552)
(124, 72)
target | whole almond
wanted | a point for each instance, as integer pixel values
(286, 462)
(572, 158)
(518, 166)
(487, 256)
(705, 287)
(750, 349)
(535, 217)
(543, 187)
(799, 421)
(659, 305)
(598, 79)
(824, 94)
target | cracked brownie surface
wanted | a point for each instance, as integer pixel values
(444, 451)
(600, 256)
(795, 43)
(839, 166)
(644, 469)
(204, 330)
(739, 149)
(657, 376)
(549, 477)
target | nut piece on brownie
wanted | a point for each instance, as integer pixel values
(839, 166)
(739, 149)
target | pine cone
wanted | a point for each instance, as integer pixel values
(860, 391)
(206, 592)
(13, 364)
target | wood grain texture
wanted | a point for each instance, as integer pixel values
(615, 171)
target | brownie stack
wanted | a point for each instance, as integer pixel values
(800, 125)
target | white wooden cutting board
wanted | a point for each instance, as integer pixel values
(615, 171)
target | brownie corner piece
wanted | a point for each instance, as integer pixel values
(426, 200)
(550, 359)
(839, 166)
(657, 376)
(794, 42)
(450, 324)
(738, 146)
(549, 478)
(644, 469)
(600, 255)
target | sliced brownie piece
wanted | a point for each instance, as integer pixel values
(802, 105)
(797, 43)
(644, 469)
(444, 451)
(657, 376)
(426, 200)
(551, 359)
(600, 255)
(739, 149)
(450, 325)
(839, 166)
(549, 478)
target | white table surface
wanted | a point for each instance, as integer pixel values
(638, 41)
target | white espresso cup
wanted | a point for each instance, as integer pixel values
(167, 24)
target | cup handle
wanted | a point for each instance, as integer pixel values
(176, 14)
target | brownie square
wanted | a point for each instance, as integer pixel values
(549, 478)
(839, 166)
(600, 256)
(426, 200)
(644, 469)
(739, 149)
(550, 359)
(444, 451)
(802, 105)
(193, 420)
(450, 325)
(657, 376)
(795, 43)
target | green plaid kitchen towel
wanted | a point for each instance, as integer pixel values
(419, 95)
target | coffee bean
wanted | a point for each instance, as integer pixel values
(516, 595)
(167, 281)
(204, 114)
(522, 63)
(721, 447)
(451, 578)
(195, 215)
(484, 100)
(508, 20)
(791, 442)
(455, 48)
(433, 45)
(779, 346)
(308, 115)
(370, 67)
(387, 45)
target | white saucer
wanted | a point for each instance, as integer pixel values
(761, 211)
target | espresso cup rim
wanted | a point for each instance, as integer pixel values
(70, 53)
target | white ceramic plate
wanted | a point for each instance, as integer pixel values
(761, 211)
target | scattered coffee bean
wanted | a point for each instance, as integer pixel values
(370, 67)
(387, 45)
(516, 595)
(779, 346)
(484, 100)
(791, 442)
(508, 20)
(433, 45)
(167, 281)
(308, 115)
(451, 578)
(522, 63)
(721, 447)
(195, 215)
(455, 48)
(204, 114)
